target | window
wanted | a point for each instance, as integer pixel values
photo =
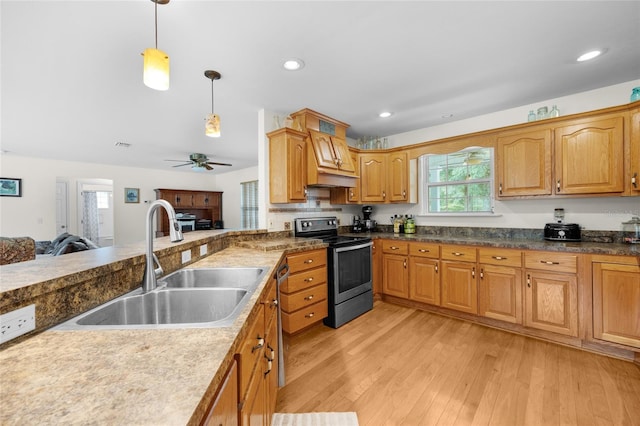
(460, 182)
(249, 204)
(103, 199)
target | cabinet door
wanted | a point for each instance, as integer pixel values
(395, 280)
(271, 371)
(206, 199)
(424, 280)
(398, 176)
(616, 303)
(183, 199)
(459, 289)
(372, 178)
(287, 166)
(589, 157)
(551, 302)
(297, 167)
(342, 154)
(500, 290)
(634, 169)
(225, 407)
(254, 409)
(323, 150)
(348, 195)
(524, 164)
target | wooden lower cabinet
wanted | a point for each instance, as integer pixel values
(616, 302)
(224, 411)
(551, 301)
(459, 288)
(424, 273)
(395, 268)
(500, 284)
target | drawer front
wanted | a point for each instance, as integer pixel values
(251, 349)
(296, 321)
(459, 253)
(306, 297)
(305, 279)
(500, 257)
(551, 261)
(424, 250)
(306, 260)
(395, 247)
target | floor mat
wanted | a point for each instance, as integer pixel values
(315, 419)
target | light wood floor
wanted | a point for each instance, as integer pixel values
(399, 366)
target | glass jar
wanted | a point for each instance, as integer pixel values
(635, 94)
(555, 112)
(542, 113)
(531, 116)
(631, 230)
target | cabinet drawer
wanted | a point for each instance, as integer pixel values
(500, 257)
(306, 297)
(306, 260)
(424, 250)
(460, 253)
(395, 247)
(296, 321)
(302, 280)
(251, 349)
(551, 261)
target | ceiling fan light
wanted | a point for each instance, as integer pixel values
(156, 69)
(212, 126)
(197, 168)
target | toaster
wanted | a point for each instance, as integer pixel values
(562, 232)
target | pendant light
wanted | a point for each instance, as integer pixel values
(212, 126)
(156, 62)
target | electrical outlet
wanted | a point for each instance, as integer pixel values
(18, 322)
(203, 250)
(287, 226)
(186, 256)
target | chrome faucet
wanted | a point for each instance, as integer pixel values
(151, 274)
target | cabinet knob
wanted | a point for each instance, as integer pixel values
(309, 297)
(500, 188)
(308, 261)
(558, 185)
(634, 180)
(308, 280)
(310, 315)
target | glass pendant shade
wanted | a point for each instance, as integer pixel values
(156, 69)
(212, 126)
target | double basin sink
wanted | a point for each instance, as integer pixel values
(187, 298)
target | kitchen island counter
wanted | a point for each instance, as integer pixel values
(159, 377)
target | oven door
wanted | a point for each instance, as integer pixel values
(350, 271)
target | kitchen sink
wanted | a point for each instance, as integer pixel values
(189, 298)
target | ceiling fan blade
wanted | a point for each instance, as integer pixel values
(177, 161)
(207, 166)
(180, 165)
(219, 164)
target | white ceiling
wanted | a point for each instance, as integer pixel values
(71, 71)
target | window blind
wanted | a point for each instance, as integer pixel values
(249, 204)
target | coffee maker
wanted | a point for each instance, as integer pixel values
(368, 224)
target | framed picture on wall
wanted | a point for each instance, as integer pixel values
(10, 187)
(132, 195)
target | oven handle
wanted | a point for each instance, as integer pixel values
(349, 248)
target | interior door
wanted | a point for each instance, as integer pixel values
(62, 219)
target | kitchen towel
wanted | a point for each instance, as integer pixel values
(315, 419)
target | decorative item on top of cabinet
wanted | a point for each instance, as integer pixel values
(551, 292)
(616, 299)
(205, 205)
(287, 166)
(500, 284)
(589, 156)
(395, 268)
(524, 163)
(459, 287)
(424, 275)
(303, 296)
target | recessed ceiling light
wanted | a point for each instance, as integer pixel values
(385, 114)
(293, 64)
(589, 55)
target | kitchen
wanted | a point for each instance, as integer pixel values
(526, 214)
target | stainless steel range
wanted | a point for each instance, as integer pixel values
(349, 269)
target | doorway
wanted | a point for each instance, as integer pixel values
(95, 211)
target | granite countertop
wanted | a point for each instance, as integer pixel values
(523, 244)
(159, 377)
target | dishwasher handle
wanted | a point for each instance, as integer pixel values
(282, 273)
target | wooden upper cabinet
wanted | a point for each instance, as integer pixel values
(341, 150)
(372, 177)
(524, 163)
(331, 153)
(340, 195)
(634, 167)
(589, 157)
(287, 166)
(398, 176)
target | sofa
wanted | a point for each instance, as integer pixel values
(20, 249)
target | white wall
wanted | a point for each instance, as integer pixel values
(229, 183)
(33, 214)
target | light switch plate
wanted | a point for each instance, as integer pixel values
(18, 322)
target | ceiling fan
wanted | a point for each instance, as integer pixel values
(199, 162)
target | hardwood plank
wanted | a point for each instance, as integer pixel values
(400, 366)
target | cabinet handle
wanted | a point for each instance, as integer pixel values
(529, 280)
(404, 194)
(500, 188)
(394, 248)
(498, 258)
(457, 253)
(274, 303)
(548, 262)
(634, 180)
(558, 185)
(308, 280)
(436, 269)
(259, 345)
(310, 315)
(473, 272)
(351, 194)
(384, 195)
(309, 297)
(423, 251)
(404, 262)
(308, 261)
(482, 273)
